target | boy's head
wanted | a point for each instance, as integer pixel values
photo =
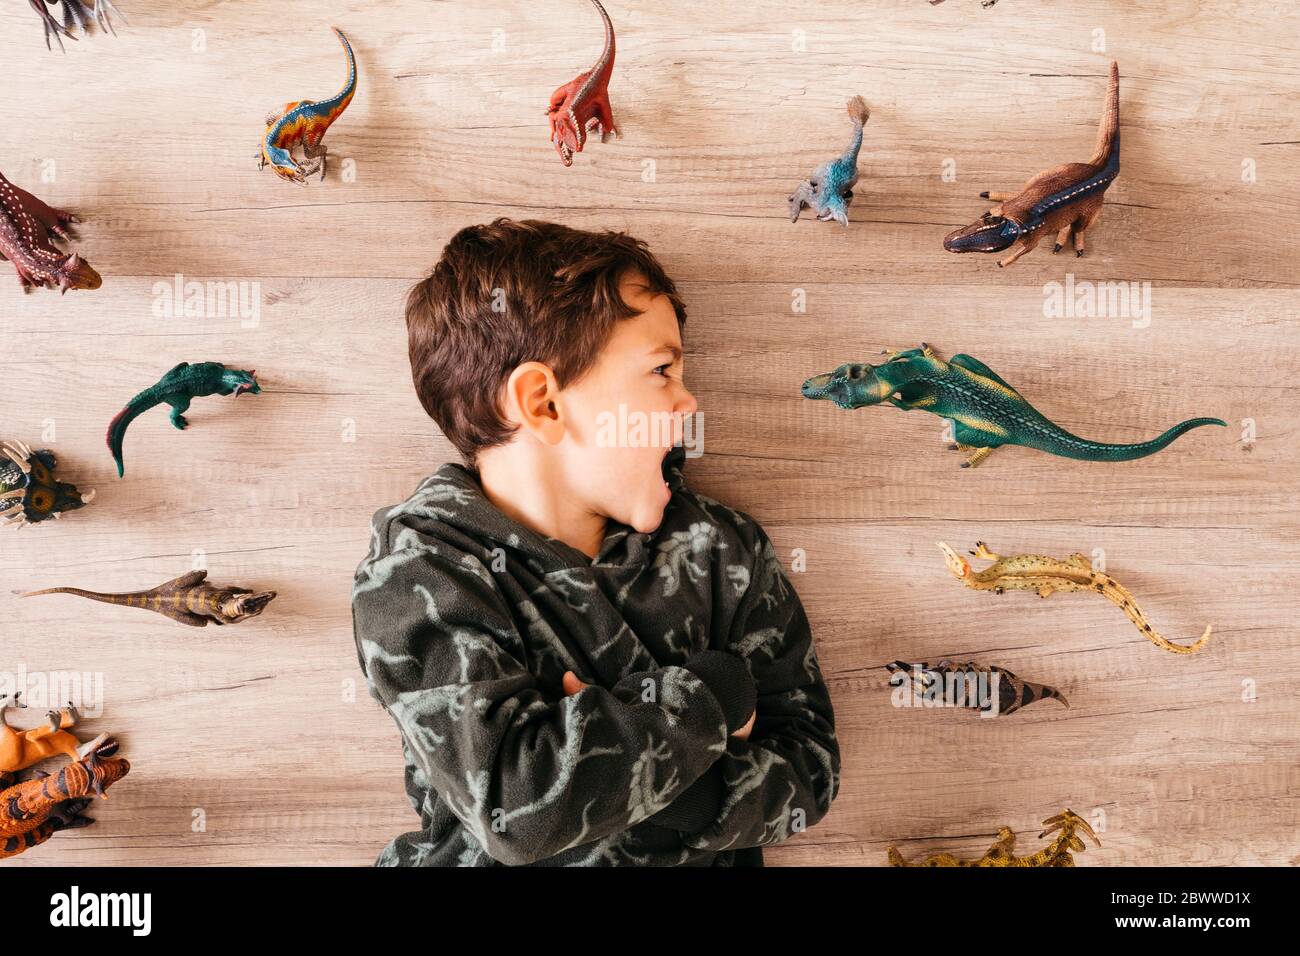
(528, 337)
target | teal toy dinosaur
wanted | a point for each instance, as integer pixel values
(985, 411)
(177, 388)
(829, 190)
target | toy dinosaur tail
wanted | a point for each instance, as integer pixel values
(1058, 441)
(1108, 133)
(859, 112)
(1116, 592)
(340, 102)
(117, 428)
(119, 599)
(606, 62)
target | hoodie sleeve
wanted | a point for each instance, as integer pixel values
(529, 776)
(783, 778)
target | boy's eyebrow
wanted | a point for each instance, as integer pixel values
(674, 350)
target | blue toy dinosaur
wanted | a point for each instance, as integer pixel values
(829, 190)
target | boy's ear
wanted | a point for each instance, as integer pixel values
(531, 393)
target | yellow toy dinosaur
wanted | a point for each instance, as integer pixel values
(1033, 572)
(1002, 852)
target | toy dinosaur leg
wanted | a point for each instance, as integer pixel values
(1062, 238)
(179, 405)
(974, 460)
(314, 153)
(982, 551)
(1081, 225)
(1020, 247)
(605, 117)
(996, 197)
(1003, 849)
(801, 197)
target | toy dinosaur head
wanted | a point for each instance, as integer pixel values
(958, 565)
(240, 607)
(75, 273)
(35, 494)
(849, 386)
(238, 381)
(988, 234)
(282, 163)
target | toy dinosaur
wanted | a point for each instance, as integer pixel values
(305, 122)
(1033, 572)
(32, 811)
(177, 388)
(985, 411)
(829, 190)
(20, 749)
(582, 104)
(1002, 852)
(28, 489)
(77, 16)
(188, 599)
(28, 229)
(1064, 200)
(1013, 693)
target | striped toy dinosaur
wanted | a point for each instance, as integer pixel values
(1064, 200)
(1033, 572)
(32, 811)
(188, 599)
(1003, 850)
(984, 410)
(1013, 693)
(178, 386)
(305, 122)
(582, 104)
(28, 231)
(829, 190)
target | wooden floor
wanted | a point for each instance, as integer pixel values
(258, 744)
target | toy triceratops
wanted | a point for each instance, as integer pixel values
(29, 491)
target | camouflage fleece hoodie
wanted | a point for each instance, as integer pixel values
(466, 620)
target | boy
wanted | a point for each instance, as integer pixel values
(590, 665)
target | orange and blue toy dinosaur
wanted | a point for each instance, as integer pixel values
(304, 123)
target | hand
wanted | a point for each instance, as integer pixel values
(572, 685)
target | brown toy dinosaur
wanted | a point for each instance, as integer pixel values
(20, 749)
(188, 599)
(1064, 200)
(32, 811)
(1002, 852)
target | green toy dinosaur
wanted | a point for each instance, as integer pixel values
(177, 388)
(985, 411)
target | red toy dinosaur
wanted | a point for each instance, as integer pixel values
(582, 104)
(32, 811)
(28, 229)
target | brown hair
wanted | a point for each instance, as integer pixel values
(510, 292)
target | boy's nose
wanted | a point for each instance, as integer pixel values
(687, 404)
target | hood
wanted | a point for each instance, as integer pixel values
(454, 498)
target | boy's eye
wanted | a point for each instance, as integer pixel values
(662, 369)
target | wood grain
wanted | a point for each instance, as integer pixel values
(267, 729)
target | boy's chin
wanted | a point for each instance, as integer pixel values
(647, 514)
